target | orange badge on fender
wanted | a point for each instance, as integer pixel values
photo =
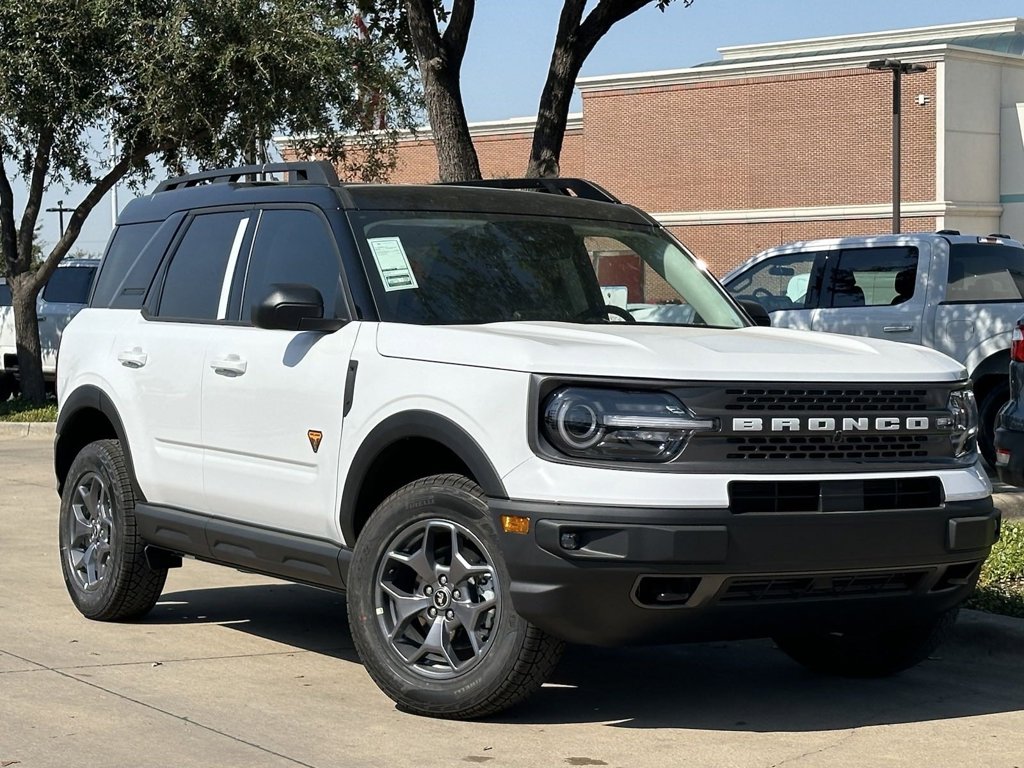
(315, 436)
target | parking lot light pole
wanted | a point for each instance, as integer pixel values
(898, 69)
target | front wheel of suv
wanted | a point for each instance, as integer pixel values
(429, 606)
(876, 652)
(101, 555)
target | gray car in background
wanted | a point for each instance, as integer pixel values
(65, 294)
(959, 294)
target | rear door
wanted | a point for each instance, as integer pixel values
(273, 399)
(160, 354)
(63, 297)
(873, 292)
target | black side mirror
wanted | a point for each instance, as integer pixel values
(293, 307)
(758, 314)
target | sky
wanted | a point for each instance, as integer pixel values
(510, 47)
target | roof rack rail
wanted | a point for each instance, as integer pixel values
(569, 187)
(947, 232)
(306, 172)
(999, 234)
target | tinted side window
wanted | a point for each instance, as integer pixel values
(980, 272)
(195, 278)
(780, 282)
(292, 246)
(124, 249)
(873, 277)
(69, 285)
(5, 294)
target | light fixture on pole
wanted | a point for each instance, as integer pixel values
(898, 69)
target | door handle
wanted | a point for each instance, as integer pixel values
(228, 365)
(897, 328)
(42, 318)
(133, 358)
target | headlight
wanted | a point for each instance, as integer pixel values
(963, 422)
(592, 423)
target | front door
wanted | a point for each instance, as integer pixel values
(273, 399)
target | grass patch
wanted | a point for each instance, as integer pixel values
(1001, 586)
(19, 410)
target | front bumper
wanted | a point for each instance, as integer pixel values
(619, 575)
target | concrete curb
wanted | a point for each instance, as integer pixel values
(40, 429)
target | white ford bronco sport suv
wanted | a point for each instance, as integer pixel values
(419, 395)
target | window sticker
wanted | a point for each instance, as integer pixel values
(392, 263)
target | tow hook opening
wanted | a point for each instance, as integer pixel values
(665, 591)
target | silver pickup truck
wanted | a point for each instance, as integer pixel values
(956, 293)
(65, 294)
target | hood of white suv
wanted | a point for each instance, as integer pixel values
(661, 352)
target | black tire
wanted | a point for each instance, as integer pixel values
(504, 661)
(988, 409)
(101, 555)
(8, 386)
(874, 653)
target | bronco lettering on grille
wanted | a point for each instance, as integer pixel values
(829, 424)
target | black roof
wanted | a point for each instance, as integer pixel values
(313, 183)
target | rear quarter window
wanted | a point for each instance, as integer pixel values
(128, 242)
(981, 272)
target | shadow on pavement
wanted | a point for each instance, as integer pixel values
(292, 614)
(729, 686)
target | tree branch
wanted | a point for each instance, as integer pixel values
(600, 20)
(34, 200)
(8, 242)
(82, 210)
(456, 34)
(426, 40)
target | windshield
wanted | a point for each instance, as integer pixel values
(454, 268)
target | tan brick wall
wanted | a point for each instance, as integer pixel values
(769, 142)
(784, 141)
(502, 156)
(724, 246)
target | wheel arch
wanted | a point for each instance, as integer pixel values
(405, 447)
(988, 372)
(87, 415)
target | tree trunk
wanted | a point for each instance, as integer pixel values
(26, 321)
(549, 133)
(439, 59)
(456, 155)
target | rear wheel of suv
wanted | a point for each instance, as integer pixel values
(873, 653)
(429, 607)
(101, 555)
(988, 409)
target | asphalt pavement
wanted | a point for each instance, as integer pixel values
(232, 669)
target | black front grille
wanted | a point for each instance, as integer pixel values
(826, 400)
(791, 496)
(820, 586)
(819, 447)
(804, 427)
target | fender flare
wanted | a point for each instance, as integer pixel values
(91, 397)
(417, 424)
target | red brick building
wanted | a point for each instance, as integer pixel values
(789, 141)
